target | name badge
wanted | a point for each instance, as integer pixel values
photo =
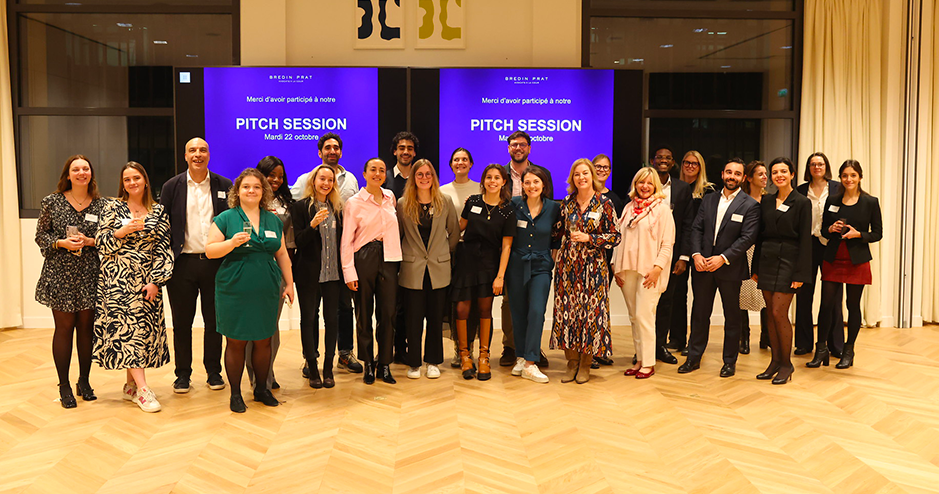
(522, 224)
(833, 208)
(270, 234)
(476, 210)
(221, 194)
(782, 208)
(593, 215)
(125, 221)
(91, 217)
(736, 218)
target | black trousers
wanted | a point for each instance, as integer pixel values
(309, 294)
(194, 275)
(705, 286)
(401, 325)
(674, 319)
(428, 304)
(378, 288)
(346, 318)
(804, 327)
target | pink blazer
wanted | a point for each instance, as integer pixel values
(647, 242)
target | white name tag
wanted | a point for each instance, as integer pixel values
(833, 208)
(221, 194)
(91, 217)
(125, 221)
(270, 234)
(736, 218)
(593, 215)
(782, 208)
(522, 224)
(476, 210)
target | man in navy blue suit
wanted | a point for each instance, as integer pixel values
(726, 226)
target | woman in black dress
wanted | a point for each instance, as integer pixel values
(780, 265)
(488, 221)
(65, 233)
(851, 222)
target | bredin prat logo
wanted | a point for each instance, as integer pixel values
(289, 77)
(524, 79)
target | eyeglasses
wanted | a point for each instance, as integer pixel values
(516, 145)
(602, 168)
(690, 163)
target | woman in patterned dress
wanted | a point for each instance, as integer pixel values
(586, 229)
(70, 270)
(136, 261)
(754, 184)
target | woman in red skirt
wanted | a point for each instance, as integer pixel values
(851, 222)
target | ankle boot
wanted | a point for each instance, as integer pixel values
(315, 381)
(764, 329)
(485, 335)
(745, 337)
(821, 355)
(847, 357)
(583, 370)
(466, 363)
(573, 362)
(328, 380)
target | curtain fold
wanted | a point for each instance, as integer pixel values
(928, 141)
(11, 290)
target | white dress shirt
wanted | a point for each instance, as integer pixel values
(818, 209)
(346, 184)
(199, 214)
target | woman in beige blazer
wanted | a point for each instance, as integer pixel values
(429, 235)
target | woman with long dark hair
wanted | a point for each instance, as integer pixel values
(754, 185)
(65, 233)
(851, 222)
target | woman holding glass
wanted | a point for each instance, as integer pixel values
(586, 229)
(430, 233)
(641, 263)
(248, 286)
(488, 223)
(65, 233)
(136, 262)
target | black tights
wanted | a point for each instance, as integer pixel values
(484, 304)
(831, 295)
(83, 323)
(235, 362)
(780, 328)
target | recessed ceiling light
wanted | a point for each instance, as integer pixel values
(700, 30)
(72, 4)
(725, 66)
(666, 46)
(789, 47)
(124, 24)
(159, 42)
(192, 56)
(721, 33)
(710, 32)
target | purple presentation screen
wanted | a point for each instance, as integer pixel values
(567, 112)
(252, 112)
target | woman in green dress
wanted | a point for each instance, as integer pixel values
(248, 283)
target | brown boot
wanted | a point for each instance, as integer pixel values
(485, 335)
(583, 372)
(573, 361)
(466, 363)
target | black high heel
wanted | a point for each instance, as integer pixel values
(83, 388)
(784, 375)
(769, 372)
(66, 398)
(821, 356)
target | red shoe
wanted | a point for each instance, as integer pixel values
(645, 375)
(630, 372)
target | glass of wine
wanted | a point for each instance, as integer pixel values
(247, 228)
(72, 231)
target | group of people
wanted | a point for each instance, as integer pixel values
(417, 256)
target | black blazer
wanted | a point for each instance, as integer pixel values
(173, 198)
(309, 255)
(864, 217)
(509, 183)
(733, 238)
(834, 188)
(683, 214)
(786, 234)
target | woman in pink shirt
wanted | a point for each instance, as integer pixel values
(641, 261)
(371, 252)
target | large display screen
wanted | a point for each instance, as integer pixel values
(567, 112)
(252, 112)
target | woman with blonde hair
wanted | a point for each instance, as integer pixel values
(641, 262)
(430, 233)
(694, 173)
(586, 229)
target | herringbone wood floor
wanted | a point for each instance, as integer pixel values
(872, 428)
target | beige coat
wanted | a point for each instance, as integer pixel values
(436, 256)
(647, 243)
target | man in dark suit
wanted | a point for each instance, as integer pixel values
(193, 198)
(519, 149)
(679, 197)
(726, 226)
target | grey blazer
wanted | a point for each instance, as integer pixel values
(435, 257)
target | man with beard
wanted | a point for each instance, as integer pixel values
(330, 152)
(404, 146)
(726, 226)
(519, 149)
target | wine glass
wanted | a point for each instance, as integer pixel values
(72, 231)
(247, 228)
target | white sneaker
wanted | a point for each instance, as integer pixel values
(130, 391)
(433, 372)
(414, 373)
(147, 401)
(519, 365)
(533, 373)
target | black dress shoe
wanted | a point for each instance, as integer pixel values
(315, 381)
(684, 351)
(84, 389)
(744, 347)
(784, 375)
(275, 385)
(802, 351)
(368, 377)
(305, 371)
(508, 357)
(594, 364)
(674, 346)
(688, 366)
(542, 361)
(66, 398)
(728, 370)
(265, 396)
(385, 372)
(635, 359)
(662, 354)
(603, 360)
(237, 404)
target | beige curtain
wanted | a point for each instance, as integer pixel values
(11, 289)
(927, 223)
(852, 104)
